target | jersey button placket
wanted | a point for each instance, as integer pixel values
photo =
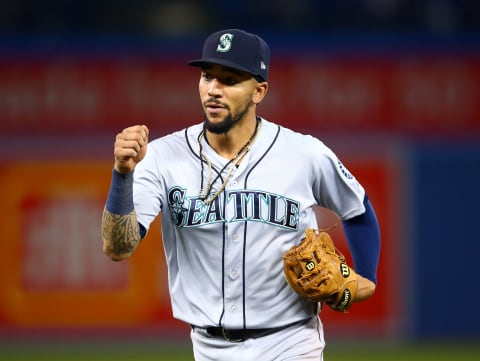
(233, 274)
(233, 260)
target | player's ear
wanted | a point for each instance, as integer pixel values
(260, 91)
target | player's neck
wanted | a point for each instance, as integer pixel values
(229, 144)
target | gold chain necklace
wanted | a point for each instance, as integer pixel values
(204, 193)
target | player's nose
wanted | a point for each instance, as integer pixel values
(215, 88)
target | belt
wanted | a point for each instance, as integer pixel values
(239, 335)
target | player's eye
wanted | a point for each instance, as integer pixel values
(207, 76)
(229, 81)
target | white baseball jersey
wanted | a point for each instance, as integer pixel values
(225, 258)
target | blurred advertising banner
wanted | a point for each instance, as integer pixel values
(422, 95)
(54, 274)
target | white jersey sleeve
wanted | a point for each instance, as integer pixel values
(147, 189)
(336, 188)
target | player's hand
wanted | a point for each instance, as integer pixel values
(130, 148)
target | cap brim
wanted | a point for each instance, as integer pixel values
(203, 61)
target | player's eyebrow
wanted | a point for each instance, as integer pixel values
(231, 71)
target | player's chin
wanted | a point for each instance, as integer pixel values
(213, 121)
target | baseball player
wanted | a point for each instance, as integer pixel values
(236, 192)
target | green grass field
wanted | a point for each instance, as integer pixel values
(182, 352)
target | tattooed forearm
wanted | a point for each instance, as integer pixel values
(120, 234)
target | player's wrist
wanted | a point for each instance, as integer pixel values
(123, 168)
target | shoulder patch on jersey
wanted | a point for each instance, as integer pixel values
(344, 170)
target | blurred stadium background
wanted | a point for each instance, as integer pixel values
(392, 85)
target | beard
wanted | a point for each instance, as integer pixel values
(228, 122)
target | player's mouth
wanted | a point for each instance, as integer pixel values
(214, 107)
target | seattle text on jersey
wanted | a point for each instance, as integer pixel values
(239, 206)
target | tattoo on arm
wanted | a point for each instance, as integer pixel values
(120, 233)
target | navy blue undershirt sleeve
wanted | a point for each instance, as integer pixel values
(363, 236)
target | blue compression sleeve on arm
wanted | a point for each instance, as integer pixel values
(363, 236)
(120, 195)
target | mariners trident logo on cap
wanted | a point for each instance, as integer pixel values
(225, 42)
(236, 49)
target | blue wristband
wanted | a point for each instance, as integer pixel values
(120, 195)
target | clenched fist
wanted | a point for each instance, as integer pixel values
(130, 148)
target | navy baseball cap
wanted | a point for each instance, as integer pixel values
(236, 49)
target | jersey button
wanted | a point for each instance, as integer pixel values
(233, 274)
(234, 183)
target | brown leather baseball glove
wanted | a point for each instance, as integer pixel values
(316, 270)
